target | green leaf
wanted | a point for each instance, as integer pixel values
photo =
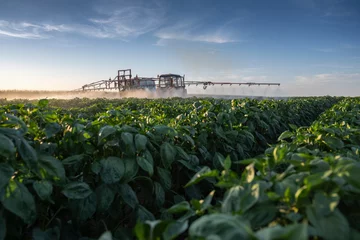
(352, 176)
(6, 172)
(173, 230)
(105, 132)
(227, 163)
(261, 215)
(290, 232)
(72, 160)
(332, 227)
(333, 142)
(51, 168)
(167, 153)
(325, 204)
(279, 153)
(165, 178)
(182, 153)
(128, 195)
(159, 194)
(51, 129)
(7, 147)
(146, 164)
(106, 236)
(204, 173)
(2, 227)
(218, 161)
(28, 154)
(105, 196)
(96, 167)
(112, 170)
(77, 190)
(43, 189)
(220, 226)
(83, 209)
(144, 215)
(17, 199)
(140, 142)
(42, 103)
(128, 139)
(284, 135)
(240, 199)
(131, 169)
(183, 206)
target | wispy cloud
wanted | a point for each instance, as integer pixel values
(325, 50)
(194, 31)
(328, 78)
(123, 22)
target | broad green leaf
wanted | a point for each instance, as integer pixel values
(72, 160)
(76, 190)
(227, 163)
(146, 164)
(28, 154)
(285, 135)
(333, 142)
(165, 178)
(279, 153)
(83, 209)
(51, 129)
(105, 132)
(204, 173)
(51, 168)
(159, 194)
(334, 226)
(128, 195)
(168, 154)
(112, 170)
(6, 172)
(183, 206)
(173, 230)
(325, 204)
(353, 171)
(105, 196)
(218, 161)
(43, 189)
(290, 232)
(220, 226)
(128, 139)
(144, 215)
(240, 199)
(131, 169)
(17, 199)
(7, 147)
(106, 236)
(182, 154)
(42, 103)
(96, 167)
(261, 215)
(140, 142)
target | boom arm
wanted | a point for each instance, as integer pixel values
(206, 84)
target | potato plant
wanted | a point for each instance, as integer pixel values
(75, 173)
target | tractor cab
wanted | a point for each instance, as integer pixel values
(171, 81)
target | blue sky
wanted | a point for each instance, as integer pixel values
(311, 47)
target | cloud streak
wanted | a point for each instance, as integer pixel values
(194, 32)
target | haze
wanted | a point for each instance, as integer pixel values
(311, 47)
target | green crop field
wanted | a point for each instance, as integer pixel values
(180, 169)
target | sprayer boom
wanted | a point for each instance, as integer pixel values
(165, 83)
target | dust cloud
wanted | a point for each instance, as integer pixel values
(34, 95)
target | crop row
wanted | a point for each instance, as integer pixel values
(69, 172)
(305, 187)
